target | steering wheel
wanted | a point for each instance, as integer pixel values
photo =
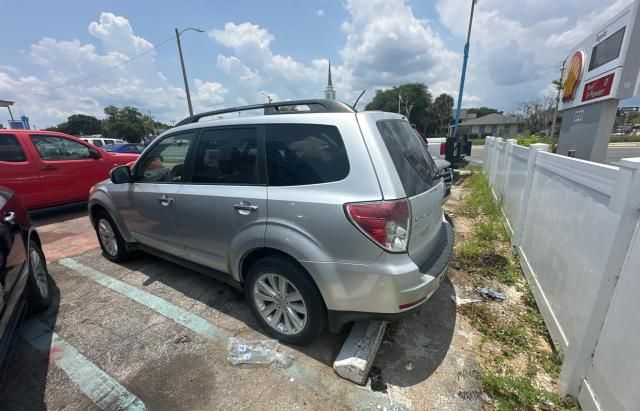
(175, 174)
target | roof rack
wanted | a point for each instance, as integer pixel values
(315, 106)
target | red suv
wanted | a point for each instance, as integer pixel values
(46, 168)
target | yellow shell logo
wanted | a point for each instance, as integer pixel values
(573, 77)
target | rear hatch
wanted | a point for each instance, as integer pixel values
(425, 191)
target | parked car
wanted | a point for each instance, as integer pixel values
(46, 168)
(124, 148)
(24, 279)
(322, 216)
(446, 172)
(100, 142)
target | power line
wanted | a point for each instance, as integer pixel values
(129, 60)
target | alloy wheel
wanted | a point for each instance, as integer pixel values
(39, 272)
(280, 303)
(107, 237)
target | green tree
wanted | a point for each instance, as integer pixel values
(440, 114)
(126, 123)
(412, 99)
(81, 124)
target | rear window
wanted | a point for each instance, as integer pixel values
(10, 149)
(414, 165)
(302, 154)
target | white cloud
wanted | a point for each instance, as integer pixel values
(518, 47)
(52, 97)
(320, 13)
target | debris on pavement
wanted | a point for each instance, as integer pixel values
(408, 366)
(377, 382)
(241, 351)
(462, 301)
(183, 339)
(491, 294)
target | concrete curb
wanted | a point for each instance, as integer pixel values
(356, 356)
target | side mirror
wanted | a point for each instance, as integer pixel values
(94, 154)
(120, 175)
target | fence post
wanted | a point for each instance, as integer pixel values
(625, 202)
(526, 192)
(486, 155)
(507, 165)
(495, 160)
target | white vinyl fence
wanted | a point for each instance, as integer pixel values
(575, 226)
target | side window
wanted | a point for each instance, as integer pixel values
(54, 148)
(301, 154)
(96, 142)
(227, 156)
(10, 149)
(108, 141)
(165, 162)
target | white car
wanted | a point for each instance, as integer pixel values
(99, 141)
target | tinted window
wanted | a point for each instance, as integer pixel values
(227, 156)
(300, 154)
(10, 149)
(108, 141)
(59, 148)
(414, 165)
(97, 142)
(165, 162)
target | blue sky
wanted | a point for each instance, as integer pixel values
(281, 49)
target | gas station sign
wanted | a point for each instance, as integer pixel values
(606, 65)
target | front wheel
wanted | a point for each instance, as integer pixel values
(285, 300)
(38, 286)
(113, 245)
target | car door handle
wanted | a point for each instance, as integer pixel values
(166, 201)
(9, 217)
(245, 207)
(49, 168)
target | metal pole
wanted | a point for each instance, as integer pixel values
(560, 87)
(464, 70)
(10, 113)
(184, 74)
(399, 100)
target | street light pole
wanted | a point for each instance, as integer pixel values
(555, 111)
(269, 99)
(184, 71)
(464, 70)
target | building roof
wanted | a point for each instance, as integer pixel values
(491, 119)
(6, 103)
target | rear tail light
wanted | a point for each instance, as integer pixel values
(443, 149)
(384, 222)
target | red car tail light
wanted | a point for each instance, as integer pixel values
(384, 222)
(443, 149)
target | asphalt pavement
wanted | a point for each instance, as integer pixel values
(616, 152)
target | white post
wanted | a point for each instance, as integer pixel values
(487, 152)
(495, 160)
(526, 192)
(625, 202)
(507, 166)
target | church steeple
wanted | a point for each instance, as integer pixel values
(329, 92)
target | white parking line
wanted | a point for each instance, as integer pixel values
(103, 390)
(315, 379)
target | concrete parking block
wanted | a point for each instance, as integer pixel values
(359, 350)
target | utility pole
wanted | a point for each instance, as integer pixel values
(464, 70)
(560, 86)
(184, 71)
(399, 100)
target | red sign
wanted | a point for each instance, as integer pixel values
(598, 88)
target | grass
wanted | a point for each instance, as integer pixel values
(517, 331)
(625, 139)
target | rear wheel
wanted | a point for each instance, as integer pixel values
(38, 287)
(114, 247)
(285, 300)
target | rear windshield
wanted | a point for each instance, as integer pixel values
(414, 165)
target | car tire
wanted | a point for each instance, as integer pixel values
(38, 282)
(300, 294)
(113, 246)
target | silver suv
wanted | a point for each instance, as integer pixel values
(321, 214)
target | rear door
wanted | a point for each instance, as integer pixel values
(18, 172)
(418, 174)
(66, 168)
(225, 197)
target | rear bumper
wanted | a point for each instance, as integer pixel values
(378, 290)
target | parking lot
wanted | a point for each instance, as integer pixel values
(149, 334)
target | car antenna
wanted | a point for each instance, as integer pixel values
(358, 99)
